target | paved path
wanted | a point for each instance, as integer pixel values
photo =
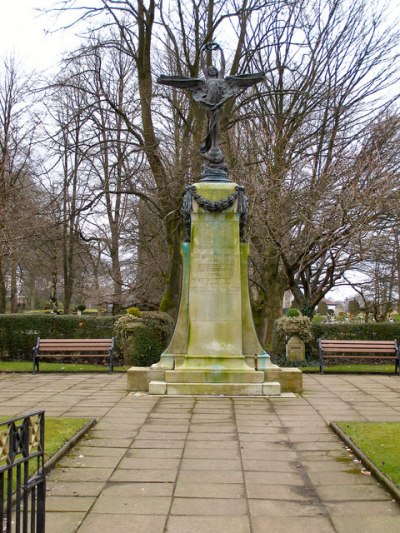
(211, 465)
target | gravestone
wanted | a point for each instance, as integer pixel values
(295, 349)
(214, 348)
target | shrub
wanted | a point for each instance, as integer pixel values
(379, 331)
(134, 311)
(322, 308)
(283, 328)
(353, 307)
(293, 312)
(18, 333)
(143, 338)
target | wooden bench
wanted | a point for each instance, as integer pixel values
(76, 348)
(343, 349)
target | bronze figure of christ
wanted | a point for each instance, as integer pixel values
(213, 91)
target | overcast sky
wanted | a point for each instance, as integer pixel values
(29, 35)
(25, 32)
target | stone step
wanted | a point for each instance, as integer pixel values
(216, 389)
(214, 376)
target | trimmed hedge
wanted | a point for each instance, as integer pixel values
(378, 331)
(18, 333)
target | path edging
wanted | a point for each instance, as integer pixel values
(68, 445)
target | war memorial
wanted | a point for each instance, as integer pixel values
(214, 349)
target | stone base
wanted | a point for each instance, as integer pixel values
(290, 379)
(215, 389)
(214, 376)
(139, 377)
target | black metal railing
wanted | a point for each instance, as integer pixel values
(22, 474)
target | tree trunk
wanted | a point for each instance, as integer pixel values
(396, 236)
(3, 290)
(32, 290)
(13, 286)
(54, 278)
(274, 283)
(116, 278)
(171, 296)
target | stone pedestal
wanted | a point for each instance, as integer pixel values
(214, 348)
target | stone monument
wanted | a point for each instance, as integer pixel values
(214, 348)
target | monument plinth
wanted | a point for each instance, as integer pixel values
(214, 344)
(214, 348)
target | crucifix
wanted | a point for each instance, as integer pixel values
(212, 92)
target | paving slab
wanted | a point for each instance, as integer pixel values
(211, 465)
(208, 524)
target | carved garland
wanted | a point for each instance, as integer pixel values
(215, 207)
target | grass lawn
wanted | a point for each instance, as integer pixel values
(26, 366)
(57, 431)
(356, 368)
(379, 441)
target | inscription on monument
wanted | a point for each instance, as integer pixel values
(215, 271)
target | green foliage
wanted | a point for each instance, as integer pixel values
(285, 327)
(356, 368)
(322, 308)
(143, 339)
(293, 312)
(18, 333)
(353, 307)
(396, 317)
(80, 307)
(379, 442)
(46, 366)
(378, 331)
(317, 319)
(374, 331)
(60, 430)
(134, 311)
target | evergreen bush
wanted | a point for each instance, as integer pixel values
(142, 339)
(293, 312)
(18, 333)
(377, 331)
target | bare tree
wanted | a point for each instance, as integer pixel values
(17, 191)
(170, 129)
(309, 158)
(307, 150)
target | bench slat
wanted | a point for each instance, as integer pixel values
(73, 348)
(72, 343)
(81, 341)
(359, 350)
(356, 349)
(359, 345)
(335, 356)
(72, 355)
(363, 344)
